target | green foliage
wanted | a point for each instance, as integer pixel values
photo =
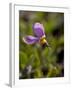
(23, 59)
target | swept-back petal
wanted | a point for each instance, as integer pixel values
(30, 39)
(38, 30)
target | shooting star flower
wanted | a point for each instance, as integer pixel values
(39, 35)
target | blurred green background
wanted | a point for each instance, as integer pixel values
(35, 61)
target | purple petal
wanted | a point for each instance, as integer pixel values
(38, 30)
(30, 39)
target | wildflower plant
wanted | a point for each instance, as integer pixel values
(39, 35)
